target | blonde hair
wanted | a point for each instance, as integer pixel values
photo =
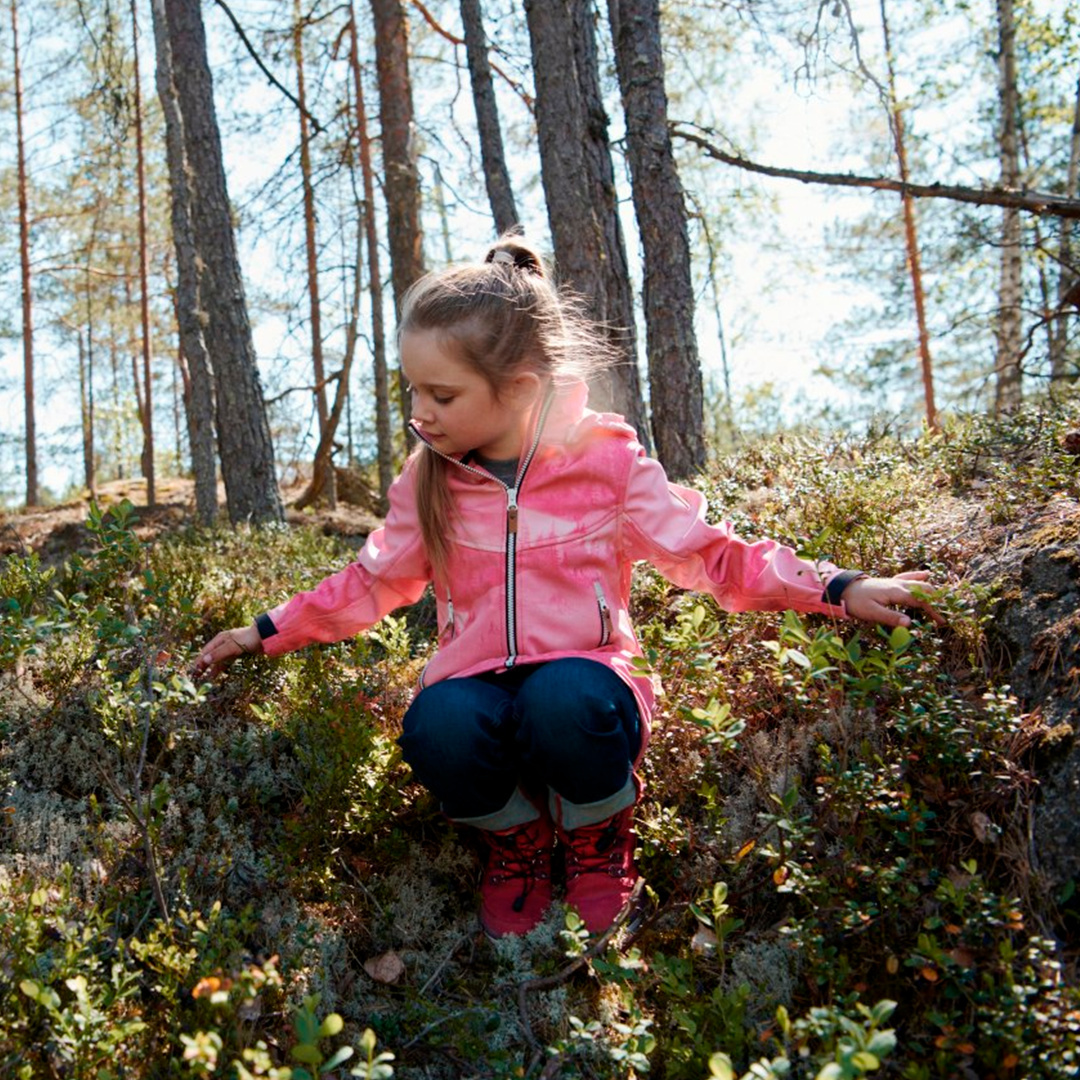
(499, 317)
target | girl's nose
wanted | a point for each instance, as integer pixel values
(417, 408)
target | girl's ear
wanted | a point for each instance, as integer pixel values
(523, 390)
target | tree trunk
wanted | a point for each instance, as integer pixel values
(383, 437)
(199, 381)
(1067, 275)
(401, 176)
(676, 396)
(326, 485)
(579, 186)
(492, 156)
(32, 493)
(144, 274)
(324, 452)
(911, 240)
(247, 455)
(1008, 391)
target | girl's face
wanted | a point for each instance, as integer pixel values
(455, 406)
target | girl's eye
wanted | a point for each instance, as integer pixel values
(441, 400)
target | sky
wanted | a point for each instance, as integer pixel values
(773, 332)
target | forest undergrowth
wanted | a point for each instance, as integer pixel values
(243, 880)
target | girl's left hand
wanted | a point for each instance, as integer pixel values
(875, 599)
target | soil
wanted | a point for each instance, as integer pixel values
(55, 532)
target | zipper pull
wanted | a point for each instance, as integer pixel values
(511, 511)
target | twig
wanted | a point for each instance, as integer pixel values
(441, 30)
(549, 982)
(437, 1023)
(445, 960)
(262, 66)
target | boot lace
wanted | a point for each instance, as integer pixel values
(517, 856)
(599, 849)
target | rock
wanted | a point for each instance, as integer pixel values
(1038, 623)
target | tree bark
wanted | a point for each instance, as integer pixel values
(247, 456)
(1008, 390)
(401, 175)
(326, 486)
(190, 317)
(144, 275)
(383, 437)
(492, 156)
(676, 396)
(579, 187)
(323, 453)
(911, 240)
(32, 493)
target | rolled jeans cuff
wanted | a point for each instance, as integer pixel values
(570, 816)
(518, 811)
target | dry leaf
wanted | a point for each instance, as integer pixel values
(985, 830)
(704, 941)
(387, 968)
(962, 956)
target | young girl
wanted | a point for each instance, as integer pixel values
(526, 511)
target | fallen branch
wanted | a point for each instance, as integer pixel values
(632, 908)
(1034, 202)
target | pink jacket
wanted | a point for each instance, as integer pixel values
(542, 570)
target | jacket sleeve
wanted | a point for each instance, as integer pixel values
(665, 525)
(391, 571)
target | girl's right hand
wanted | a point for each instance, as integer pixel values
(220, 651)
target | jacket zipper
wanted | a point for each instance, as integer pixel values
(511, 523)
(511, 536)
(605, 613)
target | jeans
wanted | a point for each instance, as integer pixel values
(571, 726)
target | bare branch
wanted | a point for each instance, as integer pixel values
(262, 66)
(441, 30)
(1033, 202)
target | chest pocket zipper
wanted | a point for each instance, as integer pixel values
(605, 613)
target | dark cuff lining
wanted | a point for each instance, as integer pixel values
(265, 625)
(835, 589)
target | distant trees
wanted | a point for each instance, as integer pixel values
(470, 120)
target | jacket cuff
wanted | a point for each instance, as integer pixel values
(836, 585)
(265, 625)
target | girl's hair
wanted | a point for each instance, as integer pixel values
(499, 317)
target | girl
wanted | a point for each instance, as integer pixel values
(526, 511)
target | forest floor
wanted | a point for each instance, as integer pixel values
(862, 849)
(57, 531)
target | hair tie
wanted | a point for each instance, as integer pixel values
(501, 255)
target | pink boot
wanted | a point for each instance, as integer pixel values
(516, 891)
(600, 871)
